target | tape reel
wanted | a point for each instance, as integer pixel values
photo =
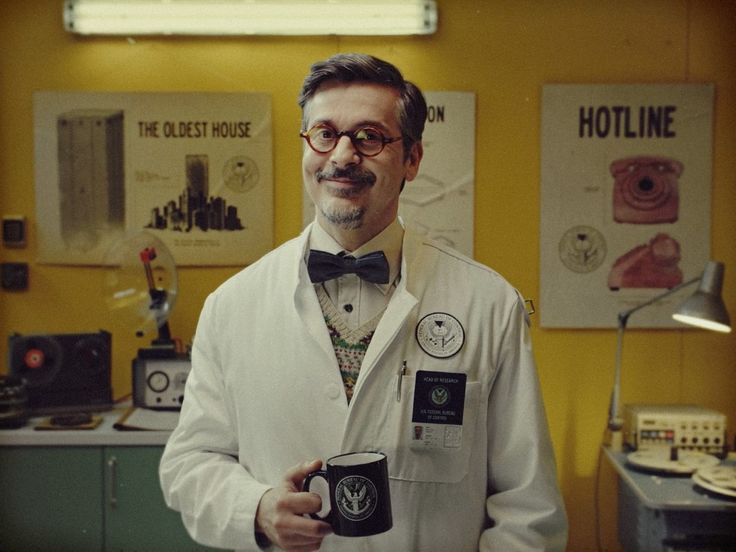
(36, 359)
(718, 479)
(656, 460)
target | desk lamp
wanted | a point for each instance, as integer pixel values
(704, 309)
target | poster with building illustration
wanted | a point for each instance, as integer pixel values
(625, 200)
(193, 169)
(438, 203)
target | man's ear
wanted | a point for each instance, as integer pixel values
(413, 160)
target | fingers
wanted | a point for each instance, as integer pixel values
(295, 475)
(299, 503)
(280, 517)
(294, 531)
(281, 512)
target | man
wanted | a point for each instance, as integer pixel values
(294, 362)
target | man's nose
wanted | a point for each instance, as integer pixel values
(345, 152)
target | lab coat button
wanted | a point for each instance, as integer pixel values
(333, 390)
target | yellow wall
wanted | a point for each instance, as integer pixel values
(504, 51)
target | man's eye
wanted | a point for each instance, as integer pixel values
(324, 134)
(368, 135)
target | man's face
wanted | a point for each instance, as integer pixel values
(352, 192)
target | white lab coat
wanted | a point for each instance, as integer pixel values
(265, 393)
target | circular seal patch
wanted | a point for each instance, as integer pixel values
(440, 335)
(356, 497)
(582, 249)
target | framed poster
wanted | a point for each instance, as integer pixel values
(194, 169)
(625, 200)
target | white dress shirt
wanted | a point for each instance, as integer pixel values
(359, 301)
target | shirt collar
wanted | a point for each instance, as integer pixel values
(389, 241)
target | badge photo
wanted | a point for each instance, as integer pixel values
(440, 334)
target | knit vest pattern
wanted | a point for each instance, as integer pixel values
(349, 344)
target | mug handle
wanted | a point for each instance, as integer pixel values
(308, 482)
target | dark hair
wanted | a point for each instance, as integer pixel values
(412, 107)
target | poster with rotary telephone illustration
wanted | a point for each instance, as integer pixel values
(625, 200)
(193, 169)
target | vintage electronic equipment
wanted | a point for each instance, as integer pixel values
(142, 285)
(686, 427)
(13, 402)
(158, 382)
(63, 372)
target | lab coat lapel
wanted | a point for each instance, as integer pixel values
(398, 310)
(307, 304)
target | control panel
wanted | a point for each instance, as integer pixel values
(158, 383)
(686, 427)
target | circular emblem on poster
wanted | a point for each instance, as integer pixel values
(240, 173)
(356, 497)
(440, 335)
(582, 249)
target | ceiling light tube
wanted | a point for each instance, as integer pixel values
(250, 17)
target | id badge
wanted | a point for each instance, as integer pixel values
(437, 413)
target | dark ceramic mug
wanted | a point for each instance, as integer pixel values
(360, 503)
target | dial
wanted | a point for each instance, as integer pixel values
(158, 381)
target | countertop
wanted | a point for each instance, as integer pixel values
(103, 435)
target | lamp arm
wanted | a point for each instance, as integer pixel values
(615, 423)
(625, 314)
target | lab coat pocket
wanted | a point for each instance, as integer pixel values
(429, 452)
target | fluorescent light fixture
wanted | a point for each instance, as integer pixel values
(250, 17)
(704, 308)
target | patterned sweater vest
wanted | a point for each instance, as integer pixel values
(350, 344)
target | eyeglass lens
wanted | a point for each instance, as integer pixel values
(368, 141)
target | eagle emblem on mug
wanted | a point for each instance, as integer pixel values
(356, 497)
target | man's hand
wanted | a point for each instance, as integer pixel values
(280, 512)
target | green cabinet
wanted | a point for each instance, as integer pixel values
(86, 498)
(51, 498)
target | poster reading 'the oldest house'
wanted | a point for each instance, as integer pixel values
(625, 213)
(193, 169)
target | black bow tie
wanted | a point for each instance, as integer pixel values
(372, 267)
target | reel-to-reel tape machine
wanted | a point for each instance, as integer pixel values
(63, 372)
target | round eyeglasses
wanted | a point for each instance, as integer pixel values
(367, 141)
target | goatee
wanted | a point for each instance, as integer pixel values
(349, 218)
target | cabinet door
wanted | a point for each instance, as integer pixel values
(137, 518)
(51, 499)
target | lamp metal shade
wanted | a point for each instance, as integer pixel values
(705, 307)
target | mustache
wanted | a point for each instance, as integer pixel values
(357, 175)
